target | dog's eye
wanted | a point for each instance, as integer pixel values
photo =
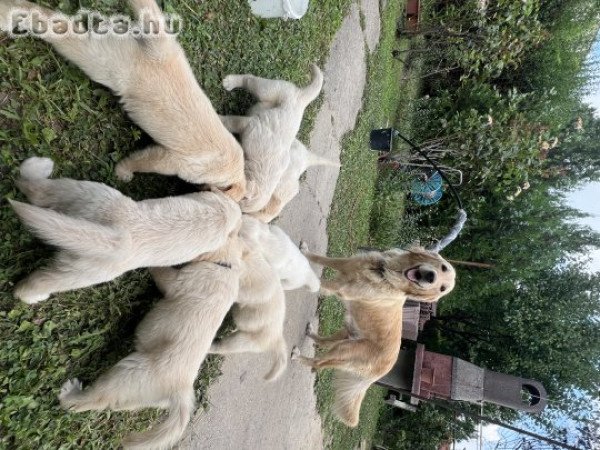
(444, 268)
(443, 288)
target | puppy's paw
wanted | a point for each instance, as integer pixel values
(123, 173)
(303, 246)
(69, 388)
(36, 167)
(23, 293)
(295, 353)
(314, 284)
(230, 82)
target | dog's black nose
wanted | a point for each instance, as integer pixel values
(426, 275)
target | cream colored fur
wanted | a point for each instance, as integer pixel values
(268, 131)
(259, 314)
(289, 184)
(292, 267)
(171, 344)
(160, 93)
(102, 234)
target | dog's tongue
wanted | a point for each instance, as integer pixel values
(412, 275)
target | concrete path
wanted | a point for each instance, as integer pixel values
(247, 413)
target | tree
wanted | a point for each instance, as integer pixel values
(576, 158)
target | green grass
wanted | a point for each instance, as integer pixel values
(48, 107)
(388, 99)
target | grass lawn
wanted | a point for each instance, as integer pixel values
(48, 107)
(359, 217)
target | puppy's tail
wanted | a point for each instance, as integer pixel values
(279, 355)
(69, 233)
(310, 92)
(315, 160)
(149, 7)
(35, 168)
(167, 433)
(313, 283)
(350, 390)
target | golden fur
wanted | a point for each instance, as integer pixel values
(361, 352)
(102, 234)
(159, 91)
(375, 286)
(171, 344)
(389, 274)
(268, 131)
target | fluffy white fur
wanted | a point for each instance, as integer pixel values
(289, 184)
(171, 344)
(102, 234)
(268, 131)
(259, 314)
(159, 91)
(291, 266)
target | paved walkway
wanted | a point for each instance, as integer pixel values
(247, 413)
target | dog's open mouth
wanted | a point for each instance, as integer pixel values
(413, 275)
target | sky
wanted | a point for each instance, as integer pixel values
(586, 198)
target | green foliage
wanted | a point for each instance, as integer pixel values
(481, 44)
(491, 134)
(515, 124)
(48, 107)
(559, 64)
(516, 91)
(535, 313)
(576, 158)
(388, 209)
(424, 429)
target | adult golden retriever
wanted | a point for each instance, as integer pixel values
(374, 287)
(158, 90)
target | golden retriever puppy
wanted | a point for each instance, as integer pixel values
(259, 314)
(291, 266)
(416, 273)
(289, 184)
(102, 234)
(159, 92)
(268, 131)
(171, 344)
(360, 353)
